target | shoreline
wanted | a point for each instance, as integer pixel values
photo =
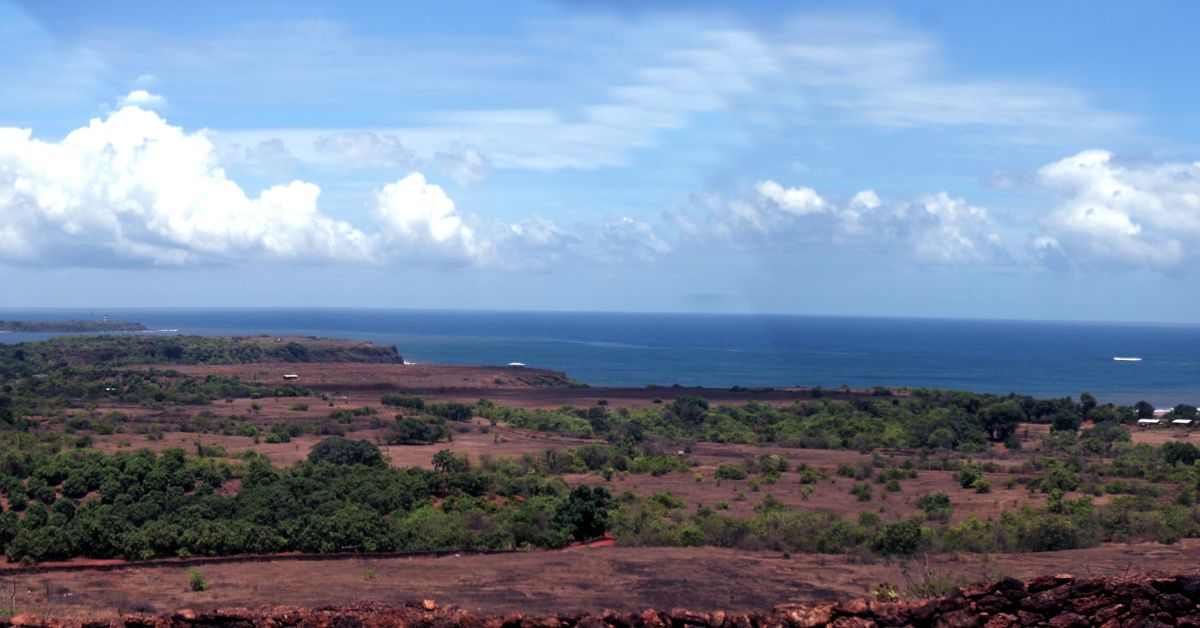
(1126, 393)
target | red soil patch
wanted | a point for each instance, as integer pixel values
(634, 397)
(1159, 436)
(497, 443)
(541, 582)
(382, 377)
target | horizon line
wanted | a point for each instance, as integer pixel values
(951, 318)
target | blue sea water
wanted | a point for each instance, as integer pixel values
(610, 349)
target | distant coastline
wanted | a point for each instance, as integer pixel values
(1042, 359)
(30, 326)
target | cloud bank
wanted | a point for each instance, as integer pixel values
(931, 229)
(132, 189)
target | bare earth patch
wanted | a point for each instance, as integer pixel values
(616, 578)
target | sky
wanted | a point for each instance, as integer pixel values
(928, 159)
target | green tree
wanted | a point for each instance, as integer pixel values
(1001, 420)
(1180, 453)
(452, 411)
(1087, 403)
(345, 451)
(446, 461)
(1184, 411)
(901, 538)
(585, 512)
(688, 409)
(410, 431)
(1065, 421)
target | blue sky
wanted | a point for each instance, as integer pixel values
(909, 159)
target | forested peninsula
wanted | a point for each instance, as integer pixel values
(70, 326)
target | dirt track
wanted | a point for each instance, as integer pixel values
(585, 579)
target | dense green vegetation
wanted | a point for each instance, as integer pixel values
(25, 359)
(71, 326)
(69, 502)
(142, 505)
(930, 419)
(64, 499)
(1061, 524)
(60, 386)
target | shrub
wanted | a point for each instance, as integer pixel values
(901, 538)
(862, 492)
(196, 580)
(452, 411)
(658, 465)
(969, 475)
(772, 464)
(808, 475)
(403, 401)
(1057, 477)
(731, 472)
(409, 431)
(936, 506)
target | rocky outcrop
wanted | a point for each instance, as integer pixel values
(1056, 601)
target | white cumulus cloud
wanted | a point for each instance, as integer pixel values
(797, 201)
(1122, 215)
(134, 189)
(142, 98)
(418, 219)
(941, 229)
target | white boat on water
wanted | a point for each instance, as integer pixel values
(1121, 359)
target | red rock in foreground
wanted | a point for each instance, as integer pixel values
(1056, 601)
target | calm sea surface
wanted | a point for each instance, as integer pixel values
(1037, 358)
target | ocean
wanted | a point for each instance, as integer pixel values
(1045, 359)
